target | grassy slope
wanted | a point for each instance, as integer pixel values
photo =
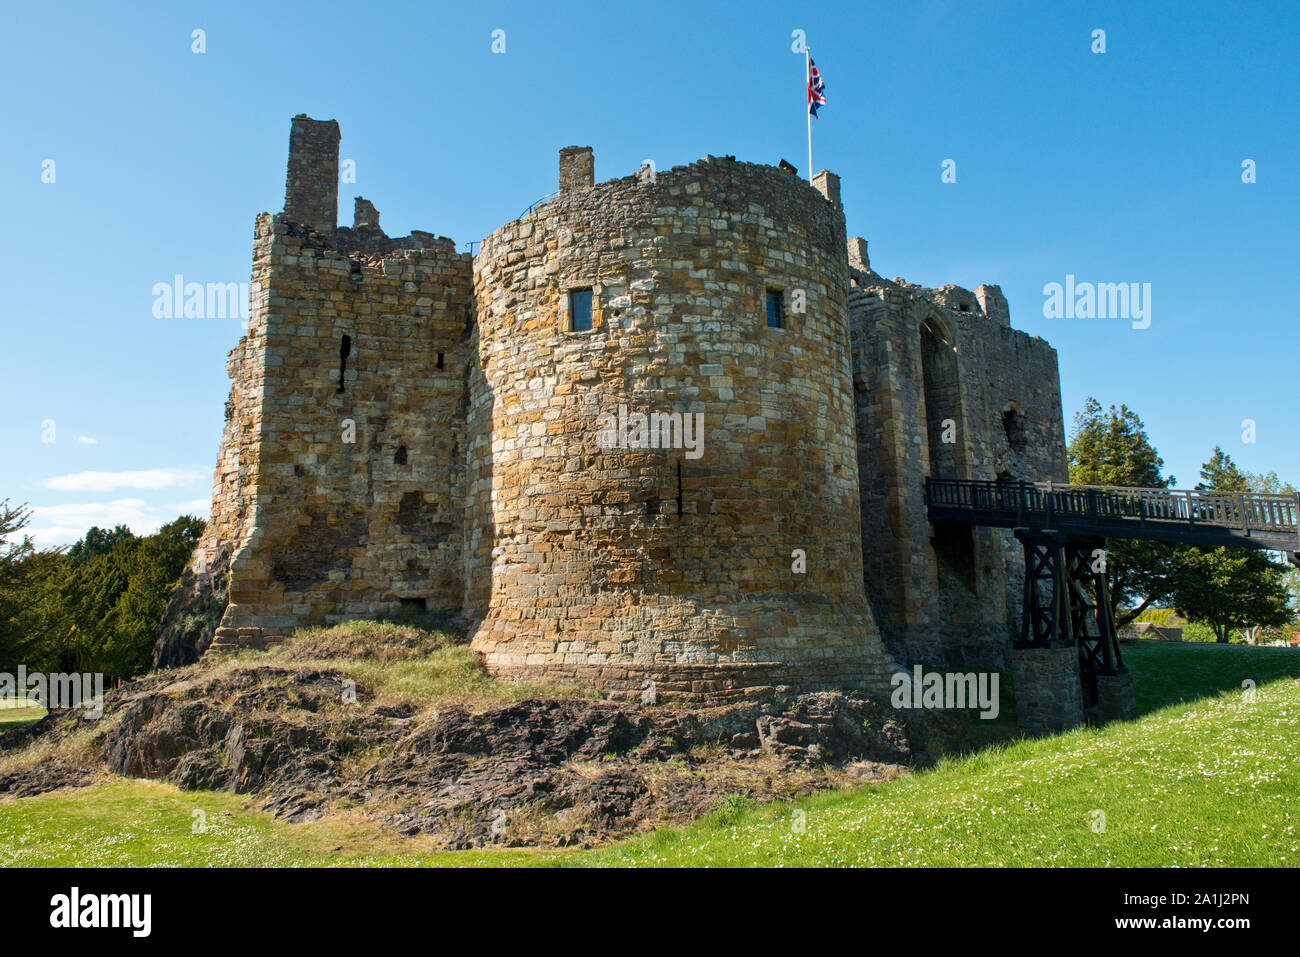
(1210, 782)
(16, 712)
(17, 717)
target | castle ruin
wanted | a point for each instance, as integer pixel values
(410, 426)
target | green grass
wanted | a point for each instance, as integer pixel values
(410, 661)
(1170, 672)
(138, 823)
(1210, 784)
(132, 823)
(1206, 777)
(16, 712)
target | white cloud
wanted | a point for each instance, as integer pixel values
(86, 440)
(111, 481)
(64, 524)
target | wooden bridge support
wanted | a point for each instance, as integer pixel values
(1067, 665)
(1067, 635)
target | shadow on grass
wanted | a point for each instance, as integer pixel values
(1168, 673)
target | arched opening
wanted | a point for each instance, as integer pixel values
(954, 545)
(943, 418)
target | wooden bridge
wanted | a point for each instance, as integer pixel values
(1188, 516)
(1064, 529)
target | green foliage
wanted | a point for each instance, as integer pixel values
(23, 574)
(1110, 447)
(1230, 589)
(1270, 484)
(1193, 631)
(93, 608)
(1198, 633)
(1221, 474)
(1161, 617)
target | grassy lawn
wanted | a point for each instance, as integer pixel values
(137, 823)
(1209, 784)
(1206, 776)
(16, 712)
(1170, 672)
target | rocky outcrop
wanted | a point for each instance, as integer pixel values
(194, 612)
(534, 772)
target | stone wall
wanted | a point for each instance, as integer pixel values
(931, 365)
(358, 465)
(577, 167)
(579, 561)
(1116, 699)
(476, 480)
(311, 190)
(1049, 696)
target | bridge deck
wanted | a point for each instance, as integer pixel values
(1189, 516)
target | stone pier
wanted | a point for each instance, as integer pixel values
(1049, 695)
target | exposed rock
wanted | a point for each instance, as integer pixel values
(535, 772)
(194, 610)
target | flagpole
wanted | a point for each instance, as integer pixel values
(807, 79)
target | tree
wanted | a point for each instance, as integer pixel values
(1221, 474)
(1230, 588)
(152, 571)
(1110, 447)
(26, 573)
(1270, 484)
(15, 547)
(94, 608)
(99, 541)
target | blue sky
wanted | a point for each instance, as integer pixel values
(1123, 166)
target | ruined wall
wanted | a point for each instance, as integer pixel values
(461, 467)
(945, 596)
(579, 563)
(311, 188)
(358, 471)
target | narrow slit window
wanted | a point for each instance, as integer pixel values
(440, 360)
(345, 350)
(775, 309)
(580, 310)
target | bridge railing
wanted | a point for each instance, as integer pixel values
(1247, 511)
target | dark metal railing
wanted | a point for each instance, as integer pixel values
(537, 203)
(1241, 512)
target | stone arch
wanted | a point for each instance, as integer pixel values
(941, 400)
(954, 545)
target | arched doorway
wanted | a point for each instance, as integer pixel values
(954, 545)
(942, 396)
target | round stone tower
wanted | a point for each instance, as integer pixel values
(663, 473)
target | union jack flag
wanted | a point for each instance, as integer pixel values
(816, 88)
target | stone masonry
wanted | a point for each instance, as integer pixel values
(410, 426)
(1049, 696)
